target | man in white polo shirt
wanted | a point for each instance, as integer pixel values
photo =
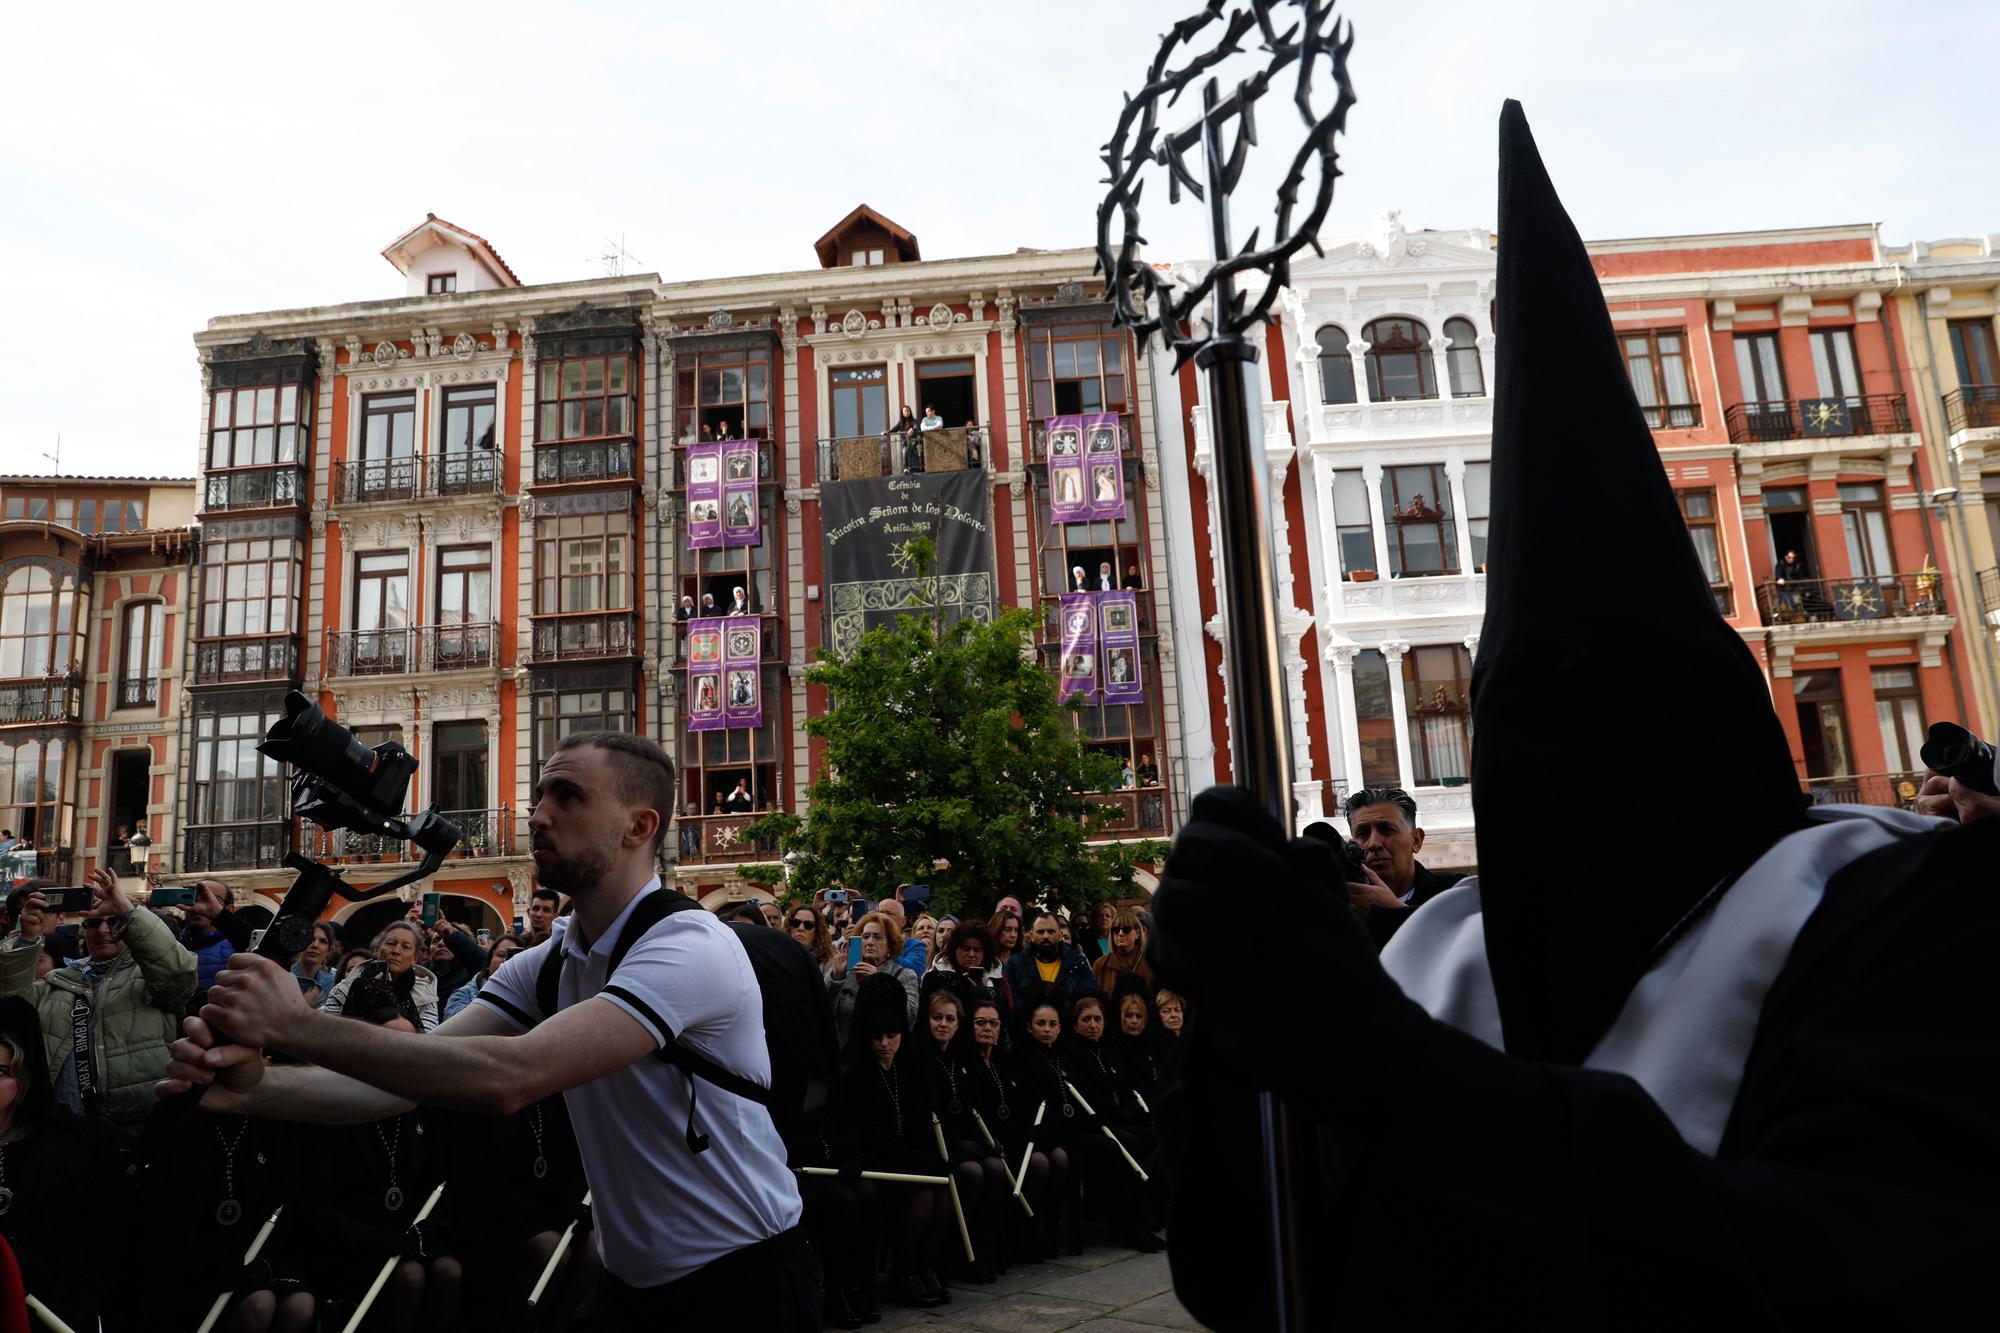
(697, 1216)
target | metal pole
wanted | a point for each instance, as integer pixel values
(1259, 738)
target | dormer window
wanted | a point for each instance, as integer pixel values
(439, 283)
(865, 258)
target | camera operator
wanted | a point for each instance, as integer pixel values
(697, 1218)
(1383, 822)
(119, 1005)
(1948, 798)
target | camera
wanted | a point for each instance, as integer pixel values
(1951, 750)
(1353, 861)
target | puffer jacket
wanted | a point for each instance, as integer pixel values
(423, 995)
(212, 951)
(137, 1014)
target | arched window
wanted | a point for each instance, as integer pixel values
(40, 607)
(1336, 366)
(139, 657)
(1468, 379)
(1399, 360)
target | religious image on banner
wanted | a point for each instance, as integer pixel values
(1105, 465)
(1078, 614)
(1118, 647)
(741, 523)
(704, 495)
(742, 645)
(1066, 477)
(705, 665)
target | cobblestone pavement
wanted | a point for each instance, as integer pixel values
(1106, 1289)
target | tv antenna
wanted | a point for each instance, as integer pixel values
(616, 257)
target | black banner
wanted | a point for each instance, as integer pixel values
(869, 522)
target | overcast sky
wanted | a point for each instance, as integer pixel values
(162, 164)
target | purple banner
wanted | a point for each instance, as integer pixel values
(1118, 647)
(741, 523)
(725, 681)
(1078, 611)
(1104, 468)
(704, 494)
(1066, 483)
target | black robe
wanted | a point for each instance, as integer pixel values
(1857, 1182)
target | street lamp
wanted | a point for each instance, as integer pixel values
(141, 848)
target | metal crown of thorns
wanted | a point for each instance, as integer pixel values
(1146, 299)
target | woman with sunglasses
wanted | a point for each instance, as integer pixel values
(1125, 965)
(803, 924)
(1007, 1109)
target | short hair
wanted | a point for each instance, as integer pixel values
(1395, 796)
(1037, 916)
(973, 932)
(1126, 917)
(890, 929)
(549, 894)
(645, 773)
(383, 934)
(748, 911)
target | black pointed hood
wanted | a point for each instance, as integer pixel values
(1625, 754)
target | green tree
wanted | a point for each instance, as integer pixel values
(951, 760)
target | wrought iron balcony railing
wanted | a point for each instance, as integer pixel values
(1896, 789)
(1974, 405)
(589, 460)
(139, 693)
(255, 488)
(222, 661)
(1818, 418)
(438, 476)
(719, 840)
(43, 699)
(1673, 416)
(391, 652)
(483, 833)
(896, 453)
(237, 846)
(1819, 601)
(25, 862)
(566, 637)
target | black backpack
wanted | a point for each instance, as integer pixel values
(798, 1017)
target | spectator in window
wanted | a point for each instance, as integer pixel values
(394, 969)
(722, 430)
(1078, 580)
(1125, 967)
(739, 603)
(931, 421)
(1148, 772)
(8, 842)
(739, 801)
(544, 906)
(1106, 581)
(685, 614)
(708, 611)
(881, 941)
(1048, 966)
(126, 995)
(1132, 579)
(906, 424)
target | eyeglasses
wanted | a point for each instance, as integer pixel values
(986, 1022)
(110, 923)
(802, 922)
(1123, 930)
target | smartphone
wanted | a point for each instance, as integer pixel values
(257, 937)
(853, 951)
(483, 935)
(65, 901)
(181, 897)
(433, 907)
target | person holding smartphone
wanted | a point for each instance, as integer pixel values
(874, 946)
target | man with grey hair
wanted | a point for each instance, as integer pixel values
(1383, 823)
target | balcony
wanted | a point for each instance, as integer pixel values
(236, 846)
(395, 652)
(718, 840)
(43, 699)
(581, 635)
(1673, 416)
(1051, 606)
(767, 462)
(1038, 450)
(1818, 418)
(233, 661)
(593, 460)
(1976, 406)
(1829, 601)
(254, 488)
(25, 862)
(1136, 812)
(770, 642)
(138, 693)
(1989, 590)
(902, 453)
(1888, 789)
(439, 476)
(484, 833)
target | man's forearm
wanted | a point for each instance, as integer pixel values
(463, 1073)
(320, 1097)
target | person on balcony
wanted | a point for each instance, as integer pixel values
(1149, 772)
(1106, 580)
(1078, 582)
(1789, 574)
(708, 610)
(685, 614)
(739, 801)
(739, 603)
(931, 421)
(722, 430)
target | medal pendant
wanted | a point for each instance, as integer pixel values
(1003, 1112)
(541, 1167)
(392, 1199)
(953, 1106)
(229, 1212)
(1068, 1110)
(6, 1200)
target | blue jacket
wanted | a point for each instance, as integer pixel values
(1075, 978)
(212, 951)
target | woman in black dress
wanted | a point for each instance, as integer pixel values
(1106, 1079)
(1007, 1110)
(983, 1183)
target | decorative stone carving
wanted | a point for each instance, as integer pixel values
(1151, 470)
(854, 324)
(791, 504)
(319, 516)
(500, 336)
(464, 347)
(721, 322)
(385, 353)
(1390, 243)
(819, 318)
(977, 301)
(433, 342)
(788, 322)
(1071, 290)
(353, 350)
(940, 316)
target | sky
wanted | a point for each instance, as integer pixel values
(164, 164)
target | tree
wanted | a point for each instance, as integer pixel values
(951, 760)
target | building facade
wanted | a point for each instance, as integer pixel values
(460, 519)
(94, 592)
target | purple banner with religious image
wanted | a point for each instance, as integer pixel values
(1103, 468)
(704, 495)
(1078, 612)
(1068, 502)
(704, 692)
(1118, 647)
(742, 679)
(741, 522)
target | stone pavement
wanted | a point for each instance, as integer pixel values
(1106, 1289)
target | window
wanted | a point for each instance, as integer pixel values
(139, 661)
(1822, 724)
(233, 784)
(17, 507)
(1989, 494)
(1353, 526)
(468, 419)
(1899, 711)
(1972, 352)
(582, 563)
(1076, 368)
(1864, 522)
(584, 398)
(1416, 500)
(1375, 720)
(1790, 519)
(864, 258)
(41, 603)
(952, 388)
(249, 587)
(1478, 505)
(1761, 371)
(465, 585)
(1336, 366)
(729, 391)
(860, 401)
(1698, 512)
(1657, 361)
(439, 283)
(32, 784)
(562, 711)
(460, 766)
(256, 427)
(388, 427)
(1833, 363)
(718, 571)
(1468, 377)
(65, 511)
(1399, 360)
(713, 761)
(1436, 685)
(86, 516)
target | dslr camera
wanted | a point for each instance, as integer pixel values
(1954, 752)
